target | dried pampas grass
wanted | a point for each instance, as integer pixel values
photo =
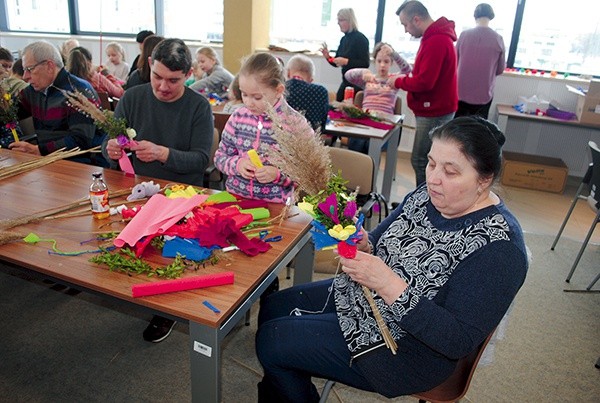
(301, 154)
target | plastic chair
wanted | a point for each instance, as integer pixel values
(452, 389)
(359, 170)
(212, 176)
(592, 181)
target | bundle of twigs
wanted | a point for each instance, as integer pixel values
(385, 331)
(19, 168)
(56, 212)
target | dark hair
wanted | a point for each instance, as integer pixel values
(5, 54)
(147, 48)
(412, 8)
(235, 88)
(265, 67)
(484, 10)
(17, 67)
(139, 38)
(174, 54)
(478, 139)
(79, 63)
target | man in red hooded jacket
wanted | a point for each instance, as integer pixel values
(432, 90)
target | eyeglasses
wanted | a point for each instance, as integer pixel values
(31, 68)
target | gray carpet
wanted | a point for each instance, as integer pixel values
(57, 347)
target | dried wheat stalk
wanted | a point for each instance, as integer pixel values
(300, 154)
(385, 331)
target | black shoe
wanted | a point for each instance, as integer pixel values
(158, 329)
(395, 205)
(272, 288)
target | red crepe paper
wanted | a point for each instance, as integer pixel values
(363, 121)
(181, 284)
(346, 250)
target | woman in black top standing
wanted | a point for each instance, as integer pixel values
(352, 52)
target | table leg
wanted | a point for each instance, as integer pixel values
(205, 363)
(390, 163)
(303, 264)
(375, 153)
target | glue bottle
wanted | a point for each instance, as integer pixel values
(99, 197)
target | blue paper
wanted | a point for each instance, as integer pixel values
(190, 248)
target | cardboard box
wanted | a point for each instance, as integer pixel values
(534, 172)
(588, 105)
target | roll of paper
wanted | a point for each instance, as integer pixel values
(181, 284)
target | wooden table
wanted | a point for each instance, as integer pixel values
(549, 137)
(64, 182)
(377, 137)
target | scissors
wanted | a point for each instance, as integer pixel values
(263, 236)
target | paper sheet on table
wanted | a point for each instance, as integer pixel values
(157, 215)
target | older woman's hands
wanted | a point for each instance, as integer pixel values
(373, 273)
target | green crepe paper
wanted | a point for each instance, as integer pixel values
(258, 213)
(221, 197)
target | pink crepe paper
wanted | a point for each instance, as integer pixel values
(181, 284)
(157, 216)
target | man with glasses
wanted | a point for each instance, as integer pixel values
(432, 89)
(57, 125)
(174, 132)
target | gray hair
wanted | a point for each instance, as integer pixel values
(42, 50)
(302, 64)
(348, 15)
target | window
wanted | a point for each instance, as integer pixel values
(37, 15)
(306, 24)
(201, 20)
(459, 11)
(546, 43)
(116, 16)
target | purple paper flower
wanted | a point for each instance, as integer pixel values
(329, 208)
(350, 209)
(122, 140)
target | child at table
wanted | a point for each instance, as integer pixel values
(378, 95)
(262, 83)
(215, 79)
(116, 64)
(234, 95)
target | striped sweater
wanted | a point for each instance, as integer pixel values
(244, 131)
(378, 96)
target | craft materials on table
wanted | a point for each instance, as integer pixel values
(181, 284)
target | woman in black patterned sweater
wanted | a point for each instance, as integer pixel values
(444, 267)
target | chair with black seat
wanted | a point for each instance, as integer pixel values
(213, 178)
(452, 389)
(359, 170)
(591, 180)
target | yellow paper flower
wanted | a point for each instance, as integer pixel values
(341, 233)
(307, 208)
(7, 96)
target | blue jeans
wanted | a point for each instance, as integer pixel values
(422, 143)
(293, 348)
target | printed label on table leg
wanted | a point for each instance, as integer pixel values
(202, 349)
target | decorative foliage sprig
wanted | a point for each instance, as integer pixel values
(124, 260)
(115, 128)
(8, 107)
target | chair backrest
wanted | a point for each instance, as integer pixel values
(357, 168)
(221, 119)
(358, 101)
(594, 198)
(104, 101)
(456, 386)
